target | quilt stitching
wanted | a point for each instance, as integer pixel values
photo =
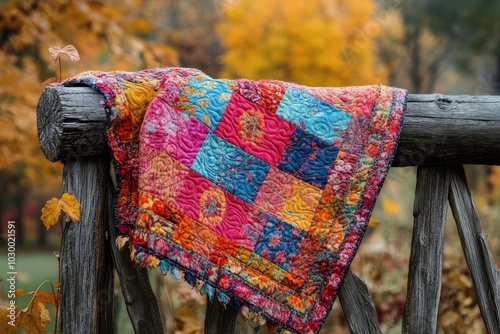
(257, 191)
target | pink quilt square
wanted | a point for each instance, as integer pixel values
(173, 132)
(220, 211)
(255, 130)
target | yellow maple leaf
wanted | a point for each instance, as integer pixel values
(53, 208)
(32, 320)
(45, 297)
(51, 212)
(373, 222)
(71, 207)
(35, 317)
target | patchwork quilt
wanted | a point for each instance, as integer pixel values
(256, 192)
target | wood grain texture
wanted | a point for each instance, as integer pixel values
(71, 123)
(450, 129)
(426, 257)
(438, 129)
(358, 306)
(484, 272)
(86, 264)
(140, 300)
(219, 318)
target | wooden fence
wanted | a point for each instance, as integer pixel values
(440, 134)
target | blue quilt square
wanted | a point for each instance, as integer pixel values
(230, 168)
(206, 100)
(313, 115)
(279, 242)
(308, 158)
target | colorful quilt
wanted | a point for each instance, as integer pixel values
(258, 192)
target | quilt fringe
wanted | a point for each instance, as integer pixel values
(250, 313)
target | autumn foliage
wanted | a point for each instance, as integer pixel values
(109, 36)
(311, 42)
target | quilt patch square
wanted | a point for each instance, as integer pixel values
(308, 158)
(259, 192)
(255, 130)
(166, 174)
(230, 167)
(205, 99)
(287, 198)
(279, 242)
(173, 133)
(313, 115)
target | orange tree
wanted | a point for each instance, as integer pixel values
(313, 42)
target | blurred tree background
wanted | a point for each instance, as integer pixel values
(443, 46)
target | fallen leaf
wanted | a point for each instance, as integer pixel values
(373, 222)
(21, 292)
(390, 206)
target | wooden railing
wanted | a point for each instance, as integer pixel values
(440, 133)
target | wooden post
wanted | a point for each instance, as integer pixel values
(426, 259)
(140, 300)
(86, 265)
(71, 128)
(219, 318)
(358, 306)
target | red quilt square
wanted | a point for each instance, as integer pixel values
(255, 130)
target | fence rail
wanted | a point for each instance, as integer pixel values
(440, 133)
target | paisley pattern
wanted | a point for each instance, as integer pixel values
(258, 191)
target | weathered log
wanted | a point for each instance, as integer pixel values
(358, 306)
(86, 264)
(438, 129)
(450, 129)
(484, 272)
(426, 257)
(71, 123)
(140, 300)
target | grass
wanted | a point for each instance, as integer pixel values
(32, 269)
(35, 267)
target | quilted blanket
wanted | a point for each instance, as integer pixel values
(257, 192)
